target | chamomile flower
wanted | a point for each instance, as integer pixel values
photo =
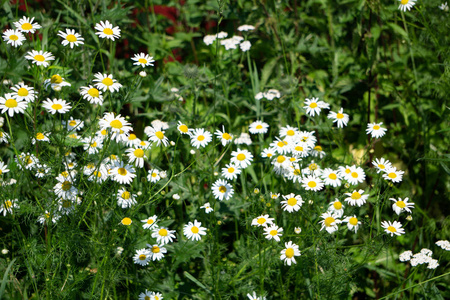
(3, 137)
(26, 25)
(381, 164)
(312, 183)
(70, 37)
(125, 199)
(91, 94)
(156, 135)
(123, 174)
(23, 92)
(115, 123)
(268, 153)
(142, 257)
(56, 82)
(13, 37)
(331, 177)
(273, 232)
(207, 208)
(394, 175)
(281, 146)
(312, 107)
(73, 124)
(255, 297)
(308, 138)
(56, 106)
(143, 60)
(147, 295)
(40, 137)
(406, 4)
(241, 158)
(47, 217)
(137, 156)
(221, 190)
(150, 222)
(107, 31)
(340, 117)
(393, 227)
(292, 202)
(356, 198)
(99, 175)
(231, 171)
(163, 235)
(106, 82)
(300, 149)
(289, 253)
(443, 6)
(183, 129)
(355, 176)
(11, 105)
(3, 168)
(157, 252)
(258, 127)
(65, 189)
(288, 132)
(400, 205)
(263, 220)
(375, 130)
(329, 222)
(336, 208)
(7, 206)
(224, 136)
(194, 231)
(153, 175)
(40, 58)
(352, 223)
(200, 138)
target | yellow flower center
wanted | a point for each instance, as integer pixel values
(65, 174)
(401, 204)
(339, 116)
(126, 221)
(297, 172)
(163, 232)
(200, 138)
(223, 189)
(142, 257)
(159, 135)
(281, 144)
(72, 123)
(122, 171)
(240, 156)
(354, 175)
(329, 221)
(107, 81)
(337, 205)
(22, 92)
(10, 103)
(376, 127)
(273, 232)
(353, 221)
(108, 31)
(318, 148)
(404, 2)
(66, 185)
(298, 148)
(116, 124)
(356, 196)
(71, 38)
(230, 170)
(292, 201)
(8, 204)
(155, 249)
(150, 221)
(154, 174)
(269, 154)
(261, 221)
(139, 153)
(56, 79)
(94, 144)
(194, 229)
(142, 60)
(126, 195)
(40, 136)
(347, 171)
(93, 92)
(57, 106)
(13, 37)
(382, 167)
(146, 298)
(103, 132)
(98, 174)
(313, 166)
(132, 136)
(313, 105)
(281, 159)
(392, 175)
(27, 26)
(259, 126)
(289, 252)
(392, 229)
(183, 128)
(290, 132)
(226, 136)
(39, 57)
(332, 176)
(312, 184)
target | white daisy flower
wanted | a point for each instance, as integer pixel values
(123, 174)
(200, 138)
(3, 168)
(47, 217)
(308, 138)
(329, 222)
(163, 235)
(56, 82)
(13, 37)
(116, 123)
(41, 137)
(150, 222)
(231, 171)
(91, 94)
(336, 208)
(143, 60)
(56, 106)
(183, 129)
(356, 198)
(340, 117)
(292, 202)
(12, 106)
(125, 199)
(26, 25)
(241, 158)
(207, 208)
(194, 231)
(312, 107)
(273, 232)
(393, 228)
(262, 220)
(7, 206)
(156, 135)
(406, 4)
(393, 174)
(221, 190)
(355, 176)
(299, 149)
(23, 92)
(268, 153)
(381, 164)
(289, 132)
(40, 58)
(137, 156)
(106, 82)
(73, 124)
(312, 183)
(375, 130)
(107, 31)
(289, 253)
(92, 145)
(142, 257)
(99, 175)
(352, 223)
(153, 176)
(4, 137)
(331, 177)
(157, 252)
(281, 146)
(400, 205)
(70, 37)
(258, 127)
(224, 136)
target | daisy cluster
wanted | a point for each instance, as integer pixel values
(420, 258)
(233, 42)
